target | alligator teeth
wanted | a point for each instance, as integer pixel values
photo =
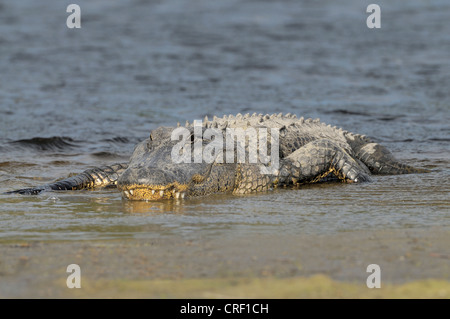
(161, 193)
(153, 192)
(131, 191)
(127, 194)
(182, 195)
(177, 195)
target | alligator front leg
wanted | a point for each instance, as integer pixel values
(103, 176)
(250, 179)
(318, 159)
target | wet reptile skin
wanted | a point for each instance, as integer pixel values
(309, 151)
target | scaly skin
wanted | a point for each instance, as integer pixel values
(104, 176)
(309, 152)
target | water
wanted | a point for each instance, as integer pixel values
(74, 99)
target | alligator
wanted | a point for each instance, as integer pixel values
(304, 151)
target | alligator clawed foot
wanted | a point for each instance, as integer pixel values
(360, 178)
(27, 191)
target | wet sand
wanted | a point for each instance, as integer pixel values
(414, 264)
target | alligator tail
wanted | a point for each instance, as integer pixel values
(104, 176)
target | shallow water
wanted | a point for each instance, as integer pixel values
(75, 99)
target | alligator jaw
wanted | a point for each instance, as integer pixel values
(154, 192)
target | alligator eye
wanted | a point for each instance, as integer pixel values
(150, 140)
(283, 131)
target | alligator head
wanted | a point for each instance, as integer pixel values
(153, 173)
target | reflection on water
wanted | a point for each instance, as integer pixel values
(70, 101)
(389, 202)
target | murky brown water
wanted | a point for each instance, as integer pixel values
(94, 92)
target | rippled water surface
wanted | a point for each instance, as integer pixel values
(74, 99)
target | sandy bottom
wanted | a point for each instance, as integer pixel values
(413, 263)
